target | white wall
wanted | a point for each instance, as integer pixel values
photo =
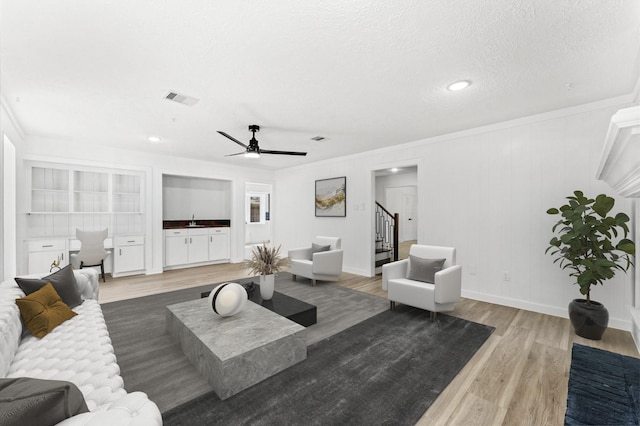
(483, 191)
(185, 197)
(9, 215)
(397, 179)
(10, 129)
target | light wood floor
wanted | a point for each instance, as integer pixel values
(518, 377)
(403, 249)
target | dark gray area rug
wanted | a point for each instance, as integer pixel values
(604, 388)
(150, 361)
(387, 369)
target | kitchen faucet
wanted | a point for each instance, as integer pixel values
(193, 220)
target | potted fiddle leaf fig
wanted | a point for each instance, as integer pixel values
(593, 246)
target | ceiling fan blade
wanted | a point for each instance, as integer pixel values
(239, 153)
(232, 138)
(266, 151)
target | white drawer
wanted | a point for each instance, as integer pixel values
(175, 232)
(198, 231)
(129, 241)
(213, 231)
(74, 245)
(46, 245)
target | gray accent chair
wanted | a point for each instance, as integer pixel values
(318, 265)
(440, 295)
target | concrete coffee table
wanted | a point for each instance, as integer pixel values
(236, 352)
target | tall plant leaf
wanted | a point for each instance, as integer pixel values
(583, 240)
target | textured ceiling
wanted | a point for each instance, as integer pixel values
(363, 74)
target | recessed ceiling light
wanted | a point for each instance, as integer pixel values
(459, 85)
(153, 139)
(394, 170)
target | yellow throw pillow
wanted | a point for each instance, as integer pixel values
(43, 310)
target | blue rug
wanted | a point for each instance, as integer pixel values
(604, 388)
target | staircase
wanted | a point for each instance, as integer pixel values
(386, 249)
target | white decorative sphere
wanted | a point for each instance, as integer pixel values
(228, 299)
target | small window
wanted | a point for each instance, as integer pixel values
(257, 208)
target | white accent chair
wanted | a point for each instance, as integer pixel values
(92, 252)
(440, 296)
(322, 265)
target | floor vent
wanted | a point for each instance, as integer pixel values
(181, 99)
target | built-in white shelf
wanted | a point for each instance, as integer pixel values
(67, 196)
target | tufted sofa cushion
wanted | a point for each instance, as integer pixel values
(10, 324)
(79, 351)
(88, 284)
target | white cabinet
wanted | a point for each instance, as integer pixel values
(184, 247)
(42, 253)
(198, 245)
(218, 243)
(176, 247)
(128, 255)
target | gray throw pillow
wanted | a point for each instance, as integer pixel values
(424, 269)
(63, 281)
(316, 248)
(28, 401)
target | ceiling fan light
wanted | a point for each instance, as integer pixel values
(252, 154)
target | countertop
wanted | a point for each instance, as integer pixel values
(205, 223)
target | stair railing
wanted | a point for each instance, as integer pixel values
(387, 230)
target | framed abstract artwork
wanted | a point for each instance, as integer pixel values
(331, 197)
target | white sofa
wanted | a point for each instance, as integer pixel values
(323, 265)
(78, 351)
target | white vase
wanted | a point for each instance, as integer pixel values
(266, 286)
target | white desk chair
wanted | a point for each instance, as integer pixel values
(92, 252)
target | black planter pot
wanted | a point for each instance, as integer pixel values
(589, 321)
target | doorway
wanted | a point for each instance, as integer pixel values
(403, 200)
(257, 216)
(396, 190)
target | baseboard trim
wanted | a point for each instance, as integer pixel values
(355, 271)
(635, 326)
(555, 311)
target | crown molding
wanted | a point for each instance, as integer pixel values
(12, 118)
(620, 160)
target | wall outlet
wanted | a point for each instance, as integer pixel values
(506, 276)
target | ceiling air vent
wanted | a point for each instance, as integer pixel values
(181, 99)
(317, 138)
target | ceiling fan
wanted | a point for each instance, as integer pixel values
(253, 150)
